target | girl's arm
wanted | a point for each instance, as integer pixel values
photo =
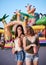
(20, 42)
(13, 49)
(37, 42)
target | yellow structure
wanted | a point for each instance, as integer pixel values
(1, 31)
(36, 28)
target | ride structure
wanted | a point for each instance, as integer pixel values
(30, 18)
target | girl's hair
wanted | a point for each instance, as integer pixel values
(16, 33)
(30, 30)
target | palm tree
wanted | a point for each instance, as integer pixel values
(7, 32)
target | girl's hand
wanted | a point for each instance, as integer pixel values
(13, 50)
(33, 45)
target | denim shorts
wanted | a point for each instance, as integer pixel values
(20, 56)
(31, 57)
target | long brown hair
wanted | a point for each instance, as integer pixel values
(31, 30)
(16, 33)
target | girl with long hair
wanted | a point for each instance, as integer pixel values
(31, 47)
(18, 48)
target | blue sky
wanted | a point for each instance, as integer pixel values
(9, 6)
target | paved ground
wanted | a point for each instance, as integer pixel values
(6, 57)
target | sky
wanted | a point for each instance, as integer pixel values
(10, 6)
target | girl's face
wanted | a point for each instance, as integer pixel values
(19, 30)
(28, 31)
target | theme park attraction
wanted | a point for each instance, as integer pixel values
(30, 18)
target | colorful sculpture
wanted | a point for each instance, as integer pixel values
(7, 32)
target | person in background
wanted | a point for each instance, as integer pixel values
(2, 41)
